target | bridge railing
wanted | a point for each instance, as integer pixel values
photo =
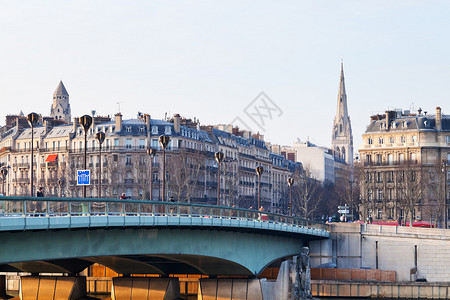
(49, 207)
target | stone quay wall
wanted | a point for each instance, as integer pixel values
(413, 253)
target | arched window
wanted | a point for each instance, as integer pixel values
(343, 153)
(340, 127)
(338, 152)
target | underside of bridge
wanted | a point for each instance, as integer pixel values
(160, 251)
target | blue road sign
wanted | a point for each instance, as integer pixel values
(83, 177)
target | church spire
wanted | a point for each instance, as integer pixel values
(60, 109)
(342, 137)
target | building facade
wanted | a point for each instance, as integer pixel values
(401, 174)
(125, 167)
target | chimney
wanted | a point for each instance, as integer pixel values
(388, 121)
(176, 123)
(118, 122)
(47, 127)
(438, 119)
(147, 122)
(75, 125)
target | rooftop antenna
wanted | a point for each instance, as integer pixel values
(118, 103)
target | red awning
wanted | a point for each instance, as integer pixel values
(51, 157)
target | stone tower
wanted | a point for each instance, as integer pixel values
(342, 137)
(61, 107)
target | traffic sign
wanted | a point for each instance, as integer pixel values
(343, 211)
(83, 177)
(343, 207)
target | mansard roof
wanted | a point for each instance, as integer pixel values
(407, 123)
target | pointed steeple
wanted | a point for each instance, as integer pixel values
(342, 95)
(60, 109)
(61, 90)
(342, 137)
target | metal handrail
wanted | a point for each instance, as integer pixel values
(50, 206)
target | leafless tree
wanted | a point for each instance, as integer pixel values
(409, 187)
(184, 170)
(306, 194)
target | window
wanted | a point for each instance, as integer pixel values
(128, 143)
(379, 213)
(380, 140)
(390, 176)
(401, 157)
(369, 141)
(368, 177)
(369, 195)
(390, 159)
(379, 177)
(447, 139)
(413, 139)
(141, 144)
(391, 140)
(379, 159)
(128, 160)
(402, 139)
(116, 142)
(115, 158)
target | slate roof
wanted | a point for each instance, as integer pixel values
(61, 90)
(408, 123)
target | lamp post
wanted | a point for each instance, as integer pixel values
(444, 171)
(164, 141)
(290, 184)
(100, 136)
(32, 119)
(151, 153)
(259, 171)
(4, 172)
(60, 184)
(86, 122)
(219, 158)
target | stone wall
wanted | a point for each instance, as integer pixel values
(412, 252)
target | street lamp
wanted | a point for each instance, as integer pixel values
(259, 171)
(100, 136)
(290, 184)
(32, 119)
(151, 152)
(444, 171)
(60, 184)
(86, 122)
(164, 141)
(219, 158)
(4, 172)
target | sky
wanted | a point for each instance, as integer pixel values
(212, 60)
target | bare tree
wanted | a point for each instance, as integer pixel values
(184, 170)
(306, 194)
(409, 187)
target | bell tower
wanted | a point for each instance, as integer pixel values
(60, 109)
(342, 137)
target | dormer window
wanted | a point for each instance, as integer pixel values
(167, 130)
(405, 124)
(141, 129)
(128, 128)
(155, 129)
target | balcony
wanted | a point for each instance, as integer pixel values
(21, 180)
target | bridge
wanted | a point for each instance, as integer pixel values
(67, 235)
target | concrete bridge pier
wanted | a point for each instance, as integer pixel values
(136, 288)
(230, 289)
(3, 287)
(52, 287)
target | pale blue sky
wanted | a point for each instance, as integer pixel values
(210, 59)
